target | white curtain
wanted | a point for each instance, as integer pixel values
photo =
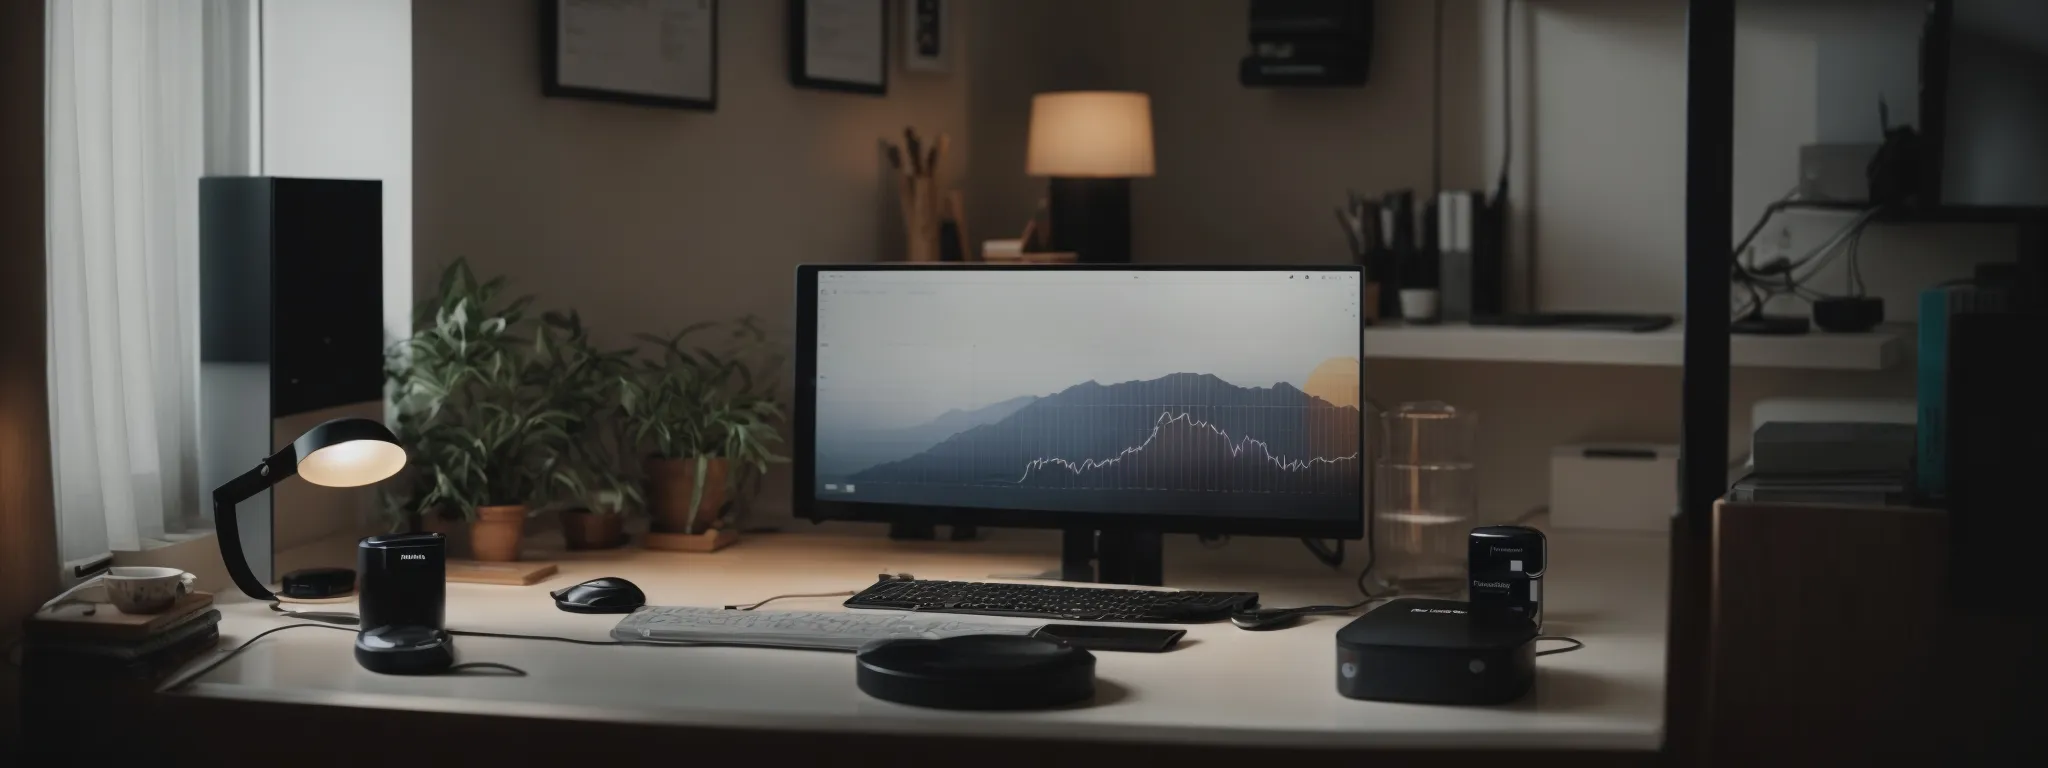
(126, 148)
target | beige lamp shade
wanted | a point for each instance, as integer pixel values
(344, 453)
(356, 462)
(1090, 134)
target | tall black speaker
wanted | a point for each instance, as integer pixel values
(290, 318)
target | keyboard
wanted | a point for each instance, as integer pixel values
(1054, 602)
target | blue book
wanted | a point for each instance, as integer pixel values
(1937, 306)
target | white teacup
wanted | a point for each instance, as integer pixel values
(135, 589)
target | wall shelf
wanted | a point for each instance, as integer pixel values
(1874, 351)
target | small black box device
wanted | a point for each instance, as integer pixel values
(404, 580)
(318, 583)
(1506, 564)
(1437, 652)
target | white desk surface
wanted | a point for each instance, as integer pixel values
(1223, 685)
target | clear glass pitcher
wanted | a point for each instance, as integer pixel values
(1425, 497)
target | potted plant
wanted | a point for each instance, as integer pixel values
(477, 413)
(596, 486)
(708, 422)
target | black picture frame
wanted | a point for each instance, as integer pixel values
(551, 57)
(799, 45)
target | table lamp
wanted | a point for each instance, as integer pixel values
(341, 453)
(1091, 144)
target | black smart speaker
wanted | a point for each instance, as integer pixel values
(404, 580)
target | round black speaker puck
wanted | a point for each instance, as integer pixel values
(976, 672)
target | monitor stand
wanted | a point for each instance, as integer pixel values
(1112, 557)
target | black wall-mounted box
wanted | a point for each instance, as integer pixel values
(1309, 43)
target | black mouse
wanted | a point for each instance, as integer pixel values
(1267, 618)
(609, 594)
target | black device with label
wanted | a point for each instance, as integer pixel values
(1103, 637)
(1308, 43)
(1435, 651)
(1505, 564)
(404, 580)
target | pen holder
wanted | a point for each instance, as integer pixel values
(920, 203)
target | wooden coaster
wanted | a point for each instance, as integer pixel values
(708, 541)
(506, 574)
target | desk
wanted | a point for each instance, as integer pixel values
(1224, 686)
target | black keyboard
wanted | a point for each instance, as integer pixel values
(1054, 602)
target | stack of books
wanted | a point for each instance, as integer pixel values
(99, 642)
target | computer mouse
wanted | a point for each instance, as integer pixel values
(609, 594)
(1267, 618)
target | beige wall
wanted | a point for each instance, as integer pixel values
(1245, 174)
(648, 219)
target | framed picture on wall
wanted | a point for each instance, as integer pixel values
(839, 45)
(924, 35)
(658, 53)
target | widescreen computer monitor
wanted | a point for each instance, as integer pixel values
(1169, 399)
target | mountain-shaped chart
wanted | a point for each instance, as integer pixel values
(845, 451)
(1181, 432)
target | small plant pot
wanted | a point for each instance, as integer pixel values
(584, 529)
(671, 483)
(495, 533)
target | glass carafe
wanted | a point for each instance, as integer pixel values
(1426, 497)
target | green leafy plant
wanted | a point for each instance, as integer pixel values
(596, 470)
(695, 402)
(477, 404)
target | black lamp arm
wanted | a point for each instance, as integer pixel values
(279, 466)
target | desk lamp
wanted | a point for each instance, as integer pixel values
(1091, 144)
(341, 453)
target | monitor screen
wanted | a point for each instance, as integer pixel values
(1227, 396)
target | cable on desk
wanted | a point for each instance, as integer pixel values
(516, 672)
(1575, 644)
(752, 606)
(329, 617)
(201, 672)
(473, 633)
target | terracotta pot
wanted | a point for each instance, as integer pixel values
(584, 529)
(495, 533)
(670, 482)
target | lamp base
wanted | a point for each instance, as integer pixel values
(1091, 218)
